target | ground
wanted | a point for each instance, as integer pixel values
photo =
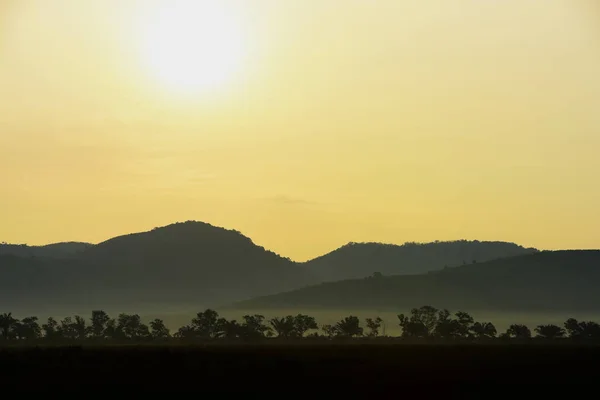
(306, 369)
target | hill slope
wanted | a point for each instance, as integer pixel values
(359, 260)
(56, 250)
(184, 262)
(547, 280)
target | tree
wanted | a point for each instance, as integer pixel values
(159, 330)
(411, 328)
(484, 330)
(464, 324)
(131, 327)
(28, 329)
(99, 324)
(374, 325)
(518, 331)
(446, 326)
(185, 332)
(7, 323)
(590, 329)
(206, 325)
(549, 331)
(51, 330)
(582, 330)
(329, 330)
(349, 327)
(110, 332)
(80, 328)
(573, 328)
(421, 323)
(285, 327)
(304, 323)
(229, 329)
(65, 329)
(254, 327)
(73, 329)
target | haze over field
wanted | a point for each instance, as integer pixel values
(305, 124)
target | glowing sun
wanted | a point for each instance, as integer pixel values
(192, 45)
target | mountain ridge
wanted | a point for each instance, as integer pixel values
(199, 263)
(550, 279)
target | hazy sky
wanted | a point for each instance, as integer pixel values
(344, 120)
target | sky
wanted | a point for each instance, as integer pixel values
(334, 121)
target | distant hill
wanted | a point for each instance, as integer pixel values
(548, 280)
(200, 264)
(358, 260)
(56, 250)
(184, 262)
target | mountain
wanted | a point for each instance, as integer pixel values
(195, 263)
(56, 250)
(547, 280)
(358, 260)
(189, 262)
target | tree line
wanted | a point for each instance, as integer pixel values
(422, 323)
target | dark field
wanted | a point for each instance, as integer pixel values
(299, 368)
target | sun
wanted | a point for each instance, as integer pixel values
(192, 45)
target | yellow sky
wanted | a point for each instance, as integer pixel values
(349, 120)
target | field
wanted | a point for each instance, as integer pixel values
(299, 369)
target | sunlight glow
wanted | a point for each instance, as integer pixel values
(192, 45)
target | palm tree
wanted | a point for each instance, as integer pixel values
(284, 326)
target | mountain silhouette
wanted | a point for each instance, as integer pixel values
(185, 262)
(548, 280)
(56, 250)
(358, 260)
(195, 263)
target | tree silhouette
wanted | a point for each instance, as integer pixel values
(518, 331)
(111, 332)
(159, 330)
(254, 327)
(229, 329)
(424, 322)
(205, 325)
(464, 324)
(185, 332)
(65, 328)
(349, 327)
(99, 324)
(28, 328)
(582, 330)
(304, 323)
(329, 330)
(131, 327)
(374, 325)
(421, 323)
(549, 331)
(446, 326)
(73, 329)
(50, 329)
(484, 330)
(7, 323)
(80, 327)
(285, 327)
